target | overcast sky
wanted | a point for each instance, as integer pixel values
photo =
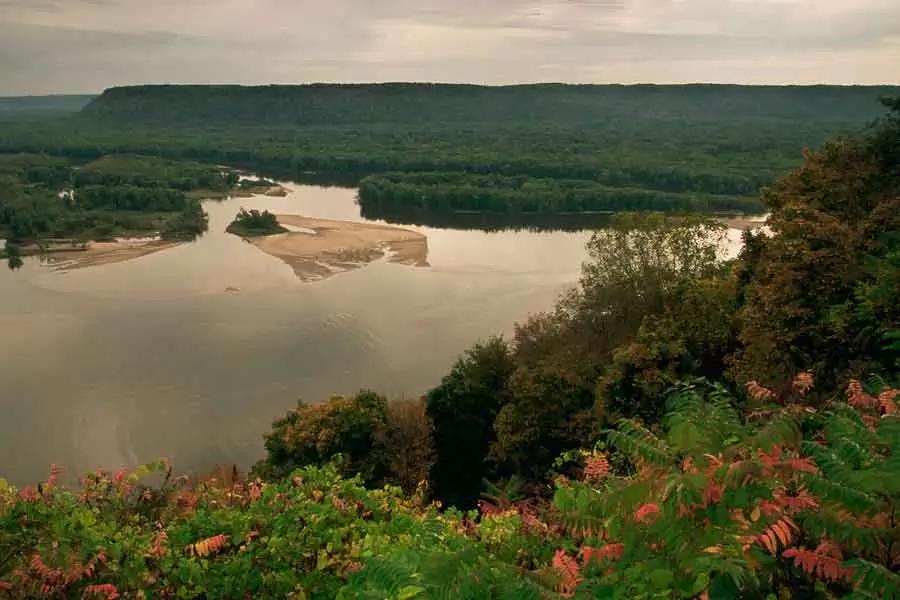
(79, 46)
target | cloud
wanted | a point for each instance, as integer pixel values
(87, 45)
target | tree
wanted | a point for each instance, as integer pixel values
(810, 297)
(13, 256)
(463, 408)
(636, 269)
(691, 338)
(407, 444)
(315, 434)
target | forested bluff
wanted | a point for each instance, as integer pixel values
(678, 426)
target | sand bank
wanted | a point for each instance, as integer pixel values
(104, 253)
(327, 247)
(276, 190)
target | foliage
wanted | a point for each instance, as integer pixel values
(421, 102)
(637, 268)
(463, 408)
(818, 291)
(381, 441)
(788, 490)
(13, 254)
(454, 192)
(731, 503)
(699, 146)
(781, 498)
(153, 172)
(315, 434)
(47, 197)
(407, 441)
(314, 536)
(693, 335)
(252, 222)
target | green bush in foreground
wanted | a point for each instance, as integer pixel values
(775, 496)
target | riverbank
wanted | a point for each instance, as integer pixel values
(320, 248)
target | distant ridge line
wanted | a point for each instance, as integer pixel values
(551, 103)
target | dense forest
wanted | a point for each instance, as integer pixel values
(455, 192)
(678, 426)
(336, 104)
(712, 144)
(52, 197)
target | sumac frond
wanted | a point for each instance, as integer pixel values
(782, 534)
(825, 562)
(568, 571)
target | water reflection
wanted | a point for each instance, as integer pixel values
(485, 221)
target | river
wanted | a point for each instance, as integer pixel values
(190, 353)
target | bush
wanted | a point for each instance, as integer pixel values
(463, 408)
(315, 434)
(406, 440)
(253, 223)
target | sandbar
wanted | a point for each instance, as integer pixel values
(327, 247)
(95, 254)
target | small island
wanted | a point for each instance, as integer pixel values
(319, 248)
(253, 223)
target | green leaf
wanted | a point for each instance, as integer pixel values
(701, 583)
(409, 591)
(723, 588)
(661, 579)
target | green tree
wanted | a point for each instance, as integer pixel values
(315, 434)
(636, 269)
(463, 408)
(691, 338)
(406, 440)
(812, 296)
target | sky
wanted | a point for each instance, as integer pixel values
(85, 46)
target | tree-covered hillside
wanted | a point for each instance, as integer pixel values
(406, 103)
(631, 146)
(664, 147)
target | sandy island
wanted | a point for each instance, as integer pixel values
(104, 253)
(327, 247)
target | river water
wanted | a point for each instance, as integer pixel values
(121, 364)
(191, 353)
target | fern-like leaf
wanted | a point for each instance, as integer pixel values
(874, 579)
(783, 430)
(819, 563)
(640, 443)
(834, 491)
